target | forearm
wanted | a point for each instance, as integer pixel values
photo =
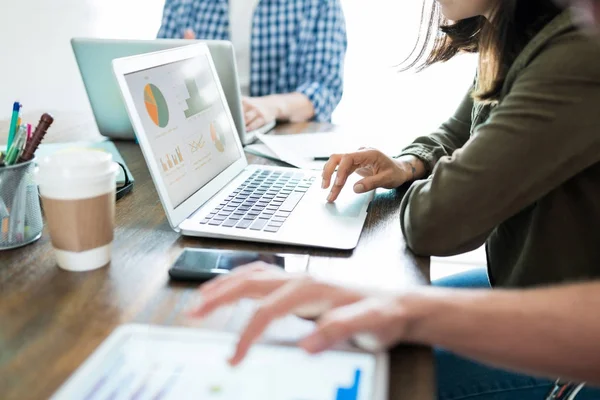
(293, 107)
(551, 332)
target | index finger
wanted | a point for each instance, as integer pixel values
(250, 285)
(329, 169)
(346, 167)
(242, 272)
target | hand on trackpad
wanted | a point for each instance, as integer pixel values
(347, 205)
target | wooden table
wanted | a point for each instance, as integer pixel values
(52, 320)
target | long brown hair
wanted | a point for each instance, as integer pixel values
(499, 41)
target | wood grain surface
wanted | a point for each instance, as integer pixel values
(52, 320)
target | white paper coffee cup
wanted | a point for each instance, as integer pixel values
(77, 187)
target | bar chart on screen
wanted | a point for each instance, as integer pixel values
(184, 368)
(171, 160)
(179, 383)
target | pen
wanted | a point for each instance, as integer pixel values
(28, 132)
(17, 146)
(36, 137)
(13, 124)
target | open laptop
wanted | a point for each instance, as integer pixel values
(189, 141)
(94, 58)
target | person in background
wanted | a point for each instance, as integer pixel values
(528, 129)
(290, 54)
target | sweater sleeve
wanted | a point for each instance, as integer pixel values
(544, 132)
(451, 135)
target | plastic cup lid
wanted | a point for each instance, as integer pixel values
(76, 164)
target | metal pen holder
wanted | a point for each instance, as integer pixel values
(20, 212)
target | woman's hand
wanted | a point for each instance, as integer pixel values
(259, 111)
(377, 169)
(282, 293)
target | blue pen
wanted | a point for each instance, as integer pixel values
(13, 124)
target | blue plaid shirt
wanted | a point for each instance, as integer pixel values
(296, 45)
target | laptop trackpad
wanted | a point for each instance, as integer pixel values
(348, 206)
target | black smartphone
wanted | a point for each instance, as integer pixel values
(201, 265)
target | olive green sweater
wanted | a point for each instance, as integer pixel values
(523, 175)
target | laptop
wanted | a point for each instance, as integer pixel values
(187, 135)
(94, 57)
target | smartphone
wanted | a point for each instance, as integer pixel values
(202, 265)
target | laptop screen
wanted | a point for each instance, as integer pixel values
(186, 124)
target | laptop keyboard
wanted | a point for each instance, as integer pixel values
(263, 202)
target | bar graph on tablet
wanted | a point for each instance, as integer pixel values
(164, 368)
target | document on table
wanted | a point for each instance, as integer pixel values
(301, 150)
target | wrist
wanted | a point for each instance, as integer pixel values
(415, 308)
(411, 166)
(407, 169)
(277, 107)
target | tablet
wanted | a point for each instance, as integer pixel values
(156, 362)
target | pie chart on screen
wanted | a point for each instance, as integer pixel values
(156, 105)
(217, 138)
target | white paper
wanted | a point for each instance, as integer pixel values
(301, 149)
(309, 145)
(261, 149)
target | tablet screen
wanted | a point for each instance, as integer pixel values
(183, 363)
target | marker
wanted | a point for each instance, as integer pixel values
(13, 124)
(28, 132)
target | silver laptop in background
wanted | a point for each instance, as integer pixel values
(188, 138)
(94, 59)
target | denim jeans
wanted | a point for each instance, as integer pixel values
(459, 378)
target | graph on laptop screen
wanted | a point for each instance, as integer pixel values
(146, 368)
(185, 121)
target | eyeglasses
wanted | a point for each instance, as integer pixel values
(127, 186)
